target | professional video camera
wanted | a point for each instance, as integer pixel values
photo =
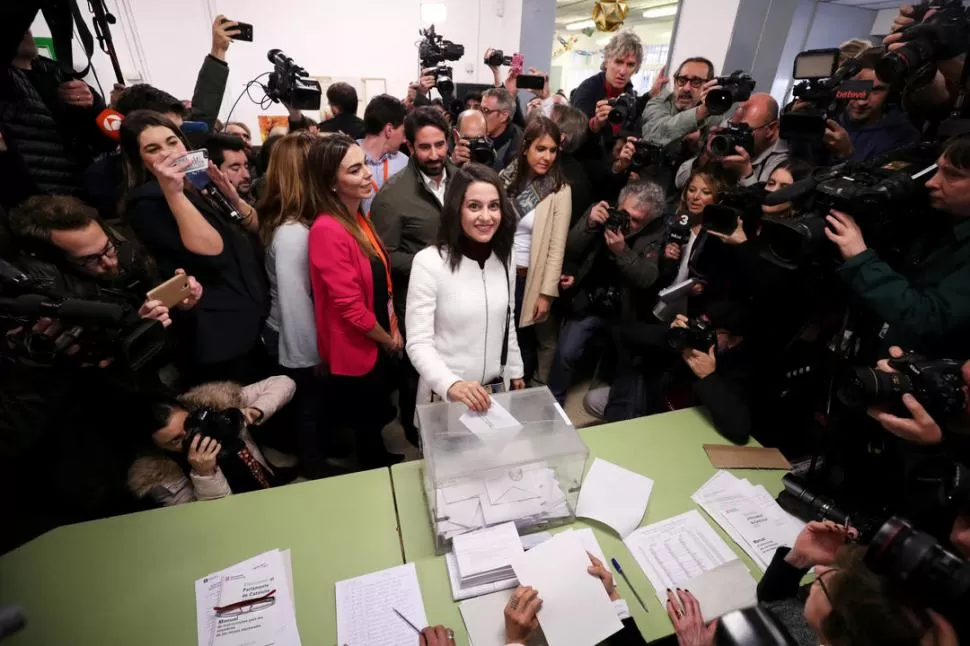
(936, 383)
(222, 426)
(879, 194)
(798, 499)
(102, 330)
(481, 150)
(754, 626)
(623, 110)
(699, 335)
(433, 52)
(618, 220)
(741, 203)
(824, 86)
(733, 89)
(289, 83)
(930, 573)
(944, 35)
(730, 136)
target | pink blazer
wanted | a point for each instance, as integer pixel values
(343, 299)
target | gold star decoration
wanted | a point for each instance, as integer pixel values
(610, 14)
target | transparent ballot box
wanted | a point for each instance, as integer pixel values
(522, 461)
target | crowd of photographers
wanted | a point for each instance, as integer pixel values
(178, 326)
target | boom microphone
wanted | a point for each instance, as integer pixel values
(71, 308)
(109, 122)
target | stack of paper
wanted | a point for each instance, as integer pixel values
(614, 496)
(521, 495)
(459, 591)
(485, 557)
(674, 551)
(251, 602)
(375, 609)
(575, 606)
(749, 515)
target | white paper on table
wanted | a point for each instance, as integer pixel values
(576, 610)
(486, 550)
(271, 623)
(614, 496)
(495, 423)
(484, 619)
(674, 551)
(531, 540)
(366, 605)
(724, 589)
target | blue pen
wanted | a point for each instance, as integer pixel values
(616, 565)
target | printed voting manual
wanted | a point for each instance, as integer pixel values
(576, 611)
(368, 607)
(614, 496)
(749, 515)
(248, 603)
(674, 551)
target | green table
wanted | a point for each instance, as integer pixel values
(666, 448)
(130, 579)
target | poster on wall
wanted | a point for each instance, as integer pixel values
(268, 122)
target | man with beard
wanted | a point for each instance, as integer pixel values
(406, 214)
(228, 153)
(670, 116)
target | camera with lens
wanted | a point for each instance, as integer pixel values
(223, 426)
(618, 220)
(481, 150)
(289, 83)
(940, 37)
(497, 59)
(916, 561)
(799, 500)
(742, 203)
(825, 87)
(732, 135)
(880, 194)
(699, 335)
(433, 51)
(649, 155)
(733, 89)
(936, 383)
(623, 110)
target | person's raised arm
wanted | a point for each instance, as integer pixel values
(195, 232)
(210, 86)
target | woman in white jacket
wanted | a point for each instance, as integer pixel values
(460, 319)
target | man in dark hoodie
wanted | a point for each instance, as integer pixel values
(873, 126)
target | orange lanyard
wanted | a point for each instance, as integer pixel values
(376, 243)
(374, 181)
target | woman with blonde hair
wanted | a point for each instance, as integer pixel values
(286, 215)
(352, 297)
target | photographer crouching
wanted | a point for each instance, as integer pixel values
(695, 362)
(611, 257)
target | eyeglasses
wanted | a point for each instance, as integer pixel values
(488, 111)
(93, 259)
(256, 604)
(695, 81)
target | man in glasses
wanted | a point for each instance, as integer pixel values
(69, 251)
(760, 114)
(672, 115)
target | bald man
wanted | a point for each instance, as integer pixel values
(471, 125)
(760, 114)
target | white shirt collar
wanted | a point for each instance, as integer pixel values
(439, 190)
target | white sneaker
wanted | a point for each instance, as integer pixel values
(595, 401)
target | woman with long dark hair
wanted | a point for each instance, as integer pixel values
(352, 296)
(461, 338)
(183, 229)
(542, 201)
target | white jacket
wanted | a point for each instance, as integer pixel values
(455, 321)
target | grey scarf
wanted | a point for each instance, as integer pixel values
(532, 195)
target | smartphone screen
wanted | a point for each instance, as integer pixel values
(530, 82)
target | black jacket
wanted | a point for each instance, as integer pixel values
(349, 124)
(725, 394)
(48, 143)
(228, 320)
(579, 181)
(507, 146)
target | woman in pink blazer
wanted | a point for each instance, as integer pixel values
(352, 297)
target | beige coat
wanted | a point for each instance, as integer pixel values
(549, 234)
